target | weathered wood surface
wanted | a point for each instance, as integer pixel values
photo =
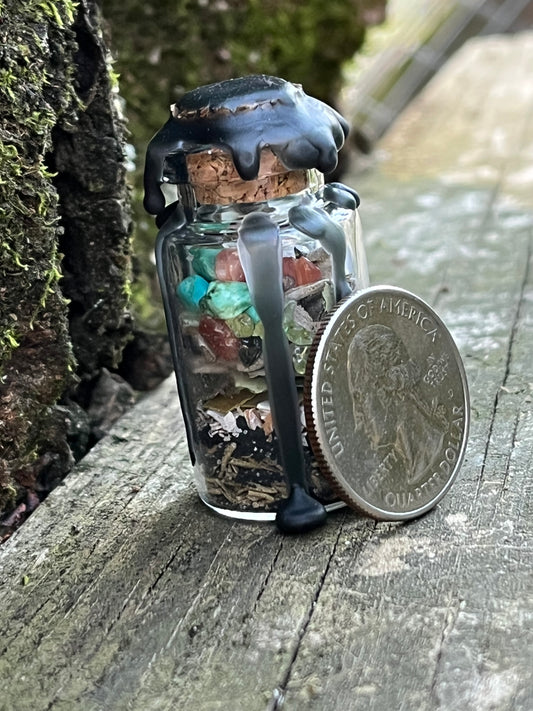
(123, 592)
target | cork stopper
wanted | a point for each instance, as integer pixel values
(215, 180)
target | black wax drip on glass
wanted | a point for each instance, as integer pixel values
(242, 116)
(346, 197)
(316, 223)
(341, 195)
(260, 253)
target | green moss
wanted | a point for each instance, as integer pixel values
(36, 92)
(62, 189)
(51, 278)
(29, 262)
(9, 339)
(61, 12)
(8, 495)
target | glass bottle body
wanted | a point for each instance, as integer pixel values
(216, 339)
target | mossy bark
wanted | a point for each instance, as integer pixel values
(56, 116)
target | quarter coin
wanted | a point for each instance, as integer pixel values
(386, 403)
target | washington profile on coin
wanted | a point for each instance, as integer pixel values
(386, 403)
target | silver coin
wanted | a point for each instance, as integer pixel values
(386, 403)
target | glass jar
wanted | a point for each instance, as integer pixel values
(216, 339)
(229, 151)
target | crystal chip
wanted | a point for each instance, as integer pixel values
(228, 266)
(218, 335)
(300, 270)
(250, 350)
(299, 327)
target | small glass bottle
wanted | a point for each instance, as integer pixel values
(215, 332)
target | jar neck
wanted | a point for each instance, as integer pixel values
(226, 218)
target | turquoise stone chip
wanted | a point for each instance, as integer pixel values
(226, 299)
(191, 290)
(203, 261)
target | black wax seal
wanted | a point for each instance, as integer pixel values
(244, 116)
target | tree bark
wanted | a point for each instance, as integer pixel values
(62, 192)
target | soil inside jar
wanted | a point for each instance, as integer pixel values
(242, 466)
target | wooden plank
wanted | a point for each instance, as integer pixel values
(122, 591)
(437, 614)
